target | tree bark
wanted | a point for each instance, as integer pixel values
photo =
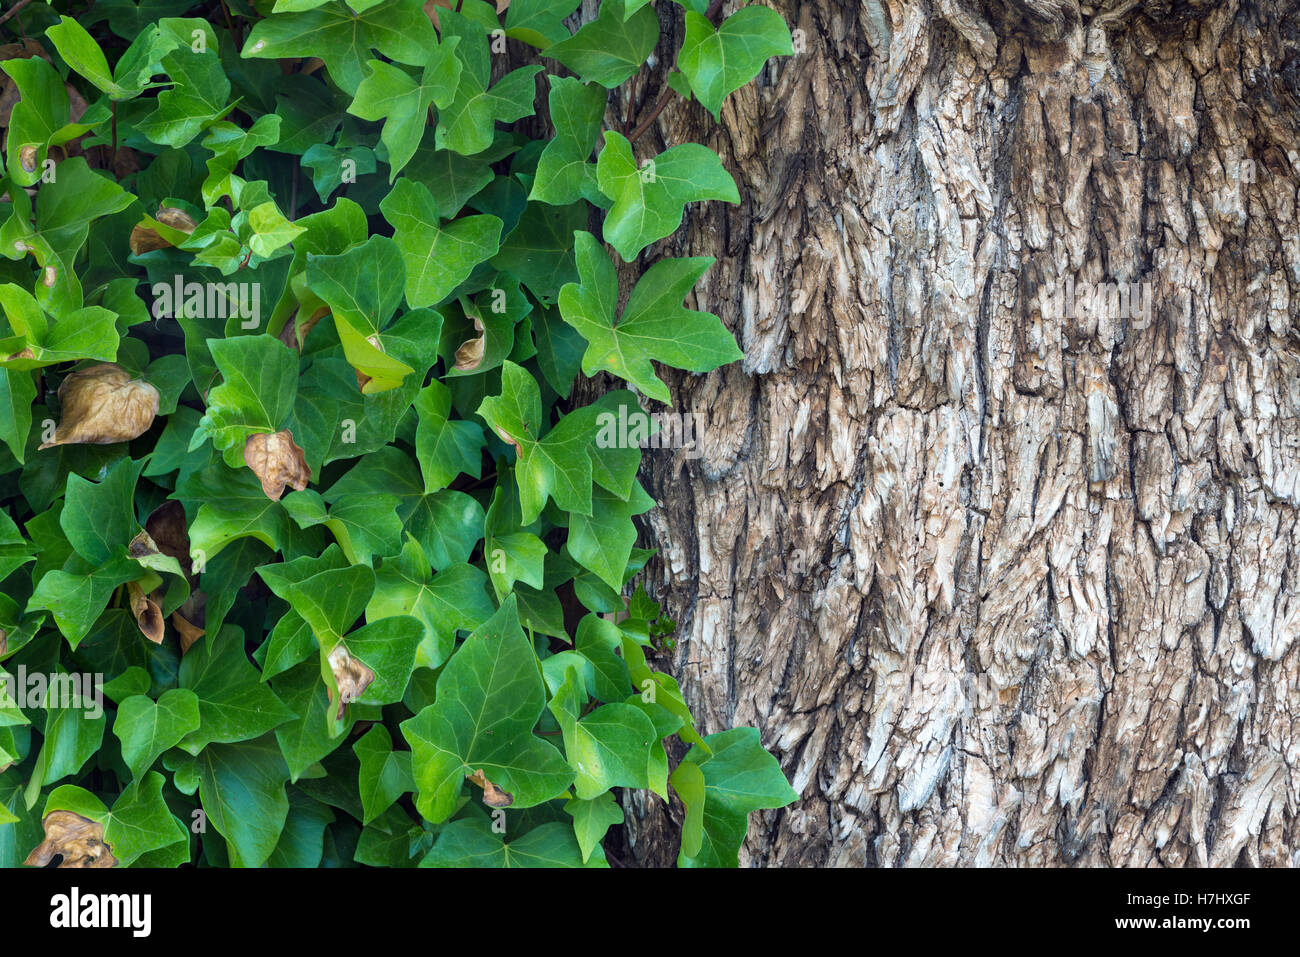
(998, 585)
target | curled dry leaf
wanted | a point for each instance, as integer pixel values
(103, 405)
(352, 677)
(167, 531)
(470, 353)
(277, 460)
(188, 631)
(76, 839)
(147, 613)
(493, 796)
(145, 238)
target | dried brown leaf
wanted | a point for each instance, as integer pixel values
(145, 239)
(295, 331)
(277, 460)
(168, 532)
(103, 405)
(493, 796)
(188, 631)
(352, 676)
(147, 613)
(470, 353)
(78, 840)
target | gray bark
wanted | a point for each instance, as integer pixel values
(999, 586)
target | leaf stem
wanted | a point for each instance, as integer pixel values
(14, 9)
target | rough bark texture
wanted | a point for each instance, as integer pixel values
(999, 587)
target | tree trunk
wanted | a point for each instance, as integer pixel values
(999, 581)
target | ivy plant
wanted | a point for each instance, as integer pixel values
(309, 556)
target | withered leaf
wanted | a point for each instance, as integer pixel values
(493, 796)
(277, 460)
(147, 613)
(470, 353)
(168, 531)
(144, 238)
(103, 405)
(352, 676)
(78, 840)
(189, 632)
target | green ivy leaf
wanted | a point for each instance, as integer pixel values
(591, 819)
(467, 123)
(719, 62)
(471, 843)
(608, 747)
(490, 695)
(391, 94)
(649, 201)
(259, 383)
(344, 38)
(564, 173)
(385, 773)
(438, 258)
(739, 777)
(611, 48)
(147, 728)
(654, 324)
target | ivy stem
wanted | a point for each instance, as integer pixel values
(14, 9)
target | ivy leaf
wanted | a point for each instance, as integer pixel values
(77, 593)
(609, 49)
(467, 124)
(539, 23)
(259, 384)
(603, 541)
(17, 393)
(363, 287)
(739, 777)
(688, 781)
(445, 447)
(228, 506)
(147, 728)
(608, 747)
(564, 174)
(649, 202)
(470, 843)
(591, 819)
(139, 822)
(555, 466)
(195, 101)
(241, 788)
(719, 62)
(654, 324)
(390, 94)
(345, 38)
(99, 517)
(454, 599)
(385, 773)
(490, 696)
(39, 119)
(233, 703)
(438, 258)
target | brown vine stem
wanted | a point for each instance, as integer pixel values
(14, 9)
(668, 92)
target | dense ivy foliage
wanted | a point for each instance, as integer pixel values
(296, 295)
